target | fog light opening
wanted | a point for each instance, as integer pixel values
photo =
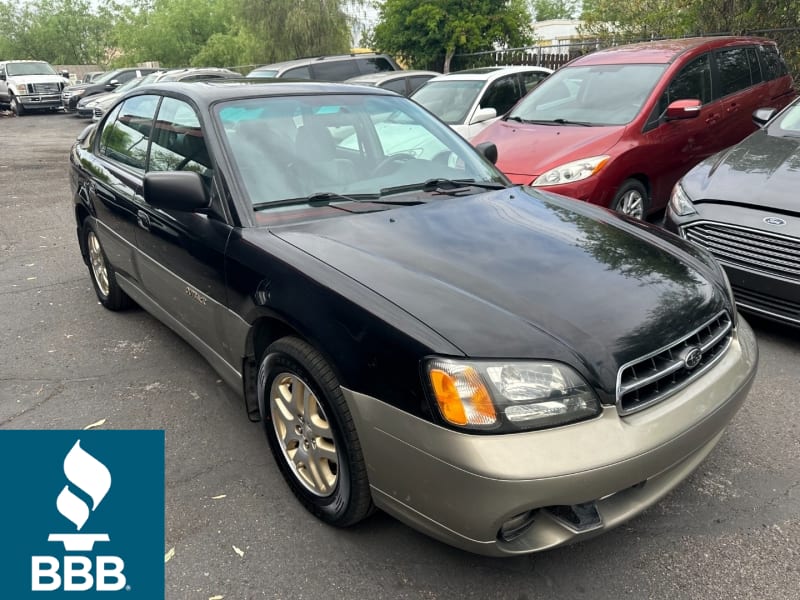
(577, 517)
(516, 526)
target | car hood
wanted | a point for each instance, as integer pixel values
(763, 170)
(530, 149)
(18, 79)
(81, 86)
(522, 274)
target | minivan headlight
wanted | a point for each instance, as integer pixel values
(680, 203)
(507, 396)
(572, 171)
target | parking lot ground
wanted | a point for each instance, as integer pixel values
(732, 530)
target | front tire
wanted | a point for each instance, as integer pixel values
(102, 274)
(311, 433)
(16, 106)
(631, 199)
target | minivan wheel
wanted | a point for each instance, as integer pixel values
(311, 433)
(16, 106)
(631, 199)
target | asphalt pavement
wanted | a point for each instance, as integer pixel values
(732, 530)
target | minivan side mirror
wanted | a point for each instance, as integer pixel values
(683, 109)
(184, 191)
(488, 150)
(112, 84)
(483, 114)
(762, 116)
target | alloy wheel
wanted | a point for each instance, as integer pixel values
(98, 263)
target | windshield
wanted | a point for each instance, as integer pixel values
(111, 75)
(595, 95)
(294, 147)
(788, 124)
(29, 68)
(133, 83)
(450, 100)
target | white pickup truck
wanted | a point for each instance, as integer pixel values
(27, 85)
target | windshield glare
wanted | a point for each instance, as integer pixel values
(29, 68)
(788, 124)
(449, 100)
(598, 95)
(293, 147)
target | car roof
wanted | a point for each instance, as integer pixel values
(389, 75)
(312, 59)
(205, 93)
(489, 73)
(662, 51)
(199, 71)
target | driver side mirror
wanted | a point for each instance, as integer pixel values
(184, 191)
(762, 116)
(488, 150)
(683, 109)
(112, 84)
(483, 114)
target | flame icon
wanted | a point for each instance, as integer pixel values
(92, 477)
(87, 474)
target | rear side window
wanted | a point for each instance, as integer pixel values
(396, 85)
(773, 62)
(335, 70)
(734, 70)
(374, 64)
(125, 137)
(297, 73)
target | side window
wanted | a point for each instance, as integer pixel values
(416, 82)
(396, 85)
(374, 64)
(125, 138)
(531, 80)
(126, 76)
(298, 73)
(178, 141)
(773, 63)
(335, 70)
(755, 67)
(501, 95)
(734, 70)
(693, 82)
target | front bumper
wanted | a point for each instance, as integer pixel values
(34, 102)
(462, 488)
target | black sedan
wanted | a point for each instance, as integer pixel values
(742, 205)
(503, 369)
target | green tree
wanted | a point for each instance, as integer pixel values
(428, 33)
(544, 10)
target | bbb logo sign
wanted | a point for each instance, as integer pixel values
(87, 514)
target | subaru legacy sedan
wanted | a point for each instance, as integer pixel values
(504, 369)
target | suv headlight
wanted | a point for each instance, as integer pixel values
(572, 171)
(680, 203)
(507, 396)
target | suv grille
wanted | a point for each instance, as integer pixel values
(652, 378)
(750, 248)
(45, 88)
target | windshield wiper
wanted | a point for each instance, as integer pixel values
(443, 186)
(316, 199)
(568, 122)
(518, 119)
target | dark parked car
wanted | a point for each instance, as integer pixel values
(742, 205)
(402, 82)
(92, 76)
(620, 126)
(106, 83)
(415, 334)
(328, 68)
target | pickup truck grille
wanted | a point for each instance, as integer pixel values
(45, 88)
(750, 248)
(658, 375)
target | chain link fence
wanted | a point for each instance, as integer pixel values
(554, 56)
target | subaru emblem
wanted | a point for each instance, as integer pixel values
(777, 221)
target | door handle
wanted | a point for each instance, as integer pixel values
(143, 220)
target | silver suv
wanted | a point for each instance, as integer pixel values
(27, 85)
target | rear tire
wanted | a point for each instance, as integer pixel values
(631, 199)
(311, 433)
(102, 274)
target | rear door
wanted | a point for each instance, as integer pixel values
(739, 87)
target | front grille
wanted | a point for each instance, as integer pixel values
(654, 377)
(750, 248)
(761, 302)
(98, 112)
(45, 88)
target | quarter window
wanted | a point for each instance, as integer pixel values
(125, 137)
(773, 62)
(396, 85)
(376, 64)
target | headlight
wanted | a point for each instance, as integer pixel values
(680, 203)
(574, 171)
(16, 89)
(509, 396)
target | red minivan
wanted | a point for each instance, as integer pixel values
(620, 126)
